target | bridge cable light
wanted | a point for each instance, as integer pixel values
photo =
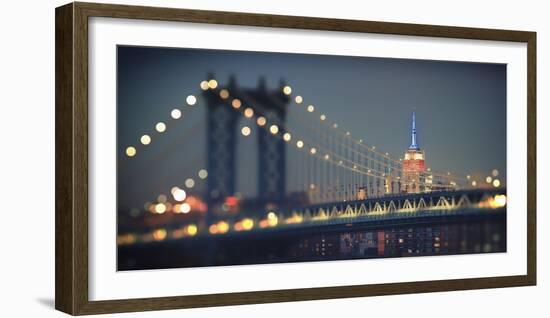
(191, 100)
(131, 151)
(145, 139)
(160, 127)
(287, 90)
(212, 84)
(175, 114)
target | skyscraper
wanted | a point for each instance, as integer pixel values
(414, 164)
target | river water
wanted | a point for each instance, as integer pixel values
(487, 235)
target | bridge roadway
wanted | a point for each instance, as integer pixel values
(442, 207)
(391, 210)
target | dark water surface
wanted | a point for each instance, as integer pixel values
(486, 235)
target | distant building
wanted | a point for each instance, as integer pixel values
(362, 193)
(414, 167)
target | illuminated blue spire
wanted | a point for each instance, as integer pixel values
(414, 144)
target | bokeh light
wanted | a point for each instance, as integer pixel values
(224, 93)
(189, 183)
(160, 127)
(203, 174)
(261, 121)
(179, 195)
(175, 113)
(145, 139)
(245, 131)
(160, 208)
(248, 113)
(274, 129)
(223, 227)
(185, 208)
(159, 234)
(247, 224)
(236, 103)
(131, 151)
(212, 83)
(499, 201)
(287, 137)
(287, 90)
(162, 198)
(192, 229)
(191, 100)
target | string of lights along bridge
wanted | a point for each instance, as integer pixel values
(310, 169)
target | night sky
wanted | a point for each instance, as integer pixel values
(460, 109)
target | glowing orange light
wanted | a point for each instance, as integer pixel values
(213, 229)
(224, 93)
(238, 226)
(261, 121)
(248, 112)
(223, 227)
(159, 234)
(236, 103)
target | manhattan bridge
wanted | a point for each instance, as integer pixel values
(312, 173)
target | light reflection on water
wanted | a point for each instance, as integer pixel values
(481, 236)
(405, 241)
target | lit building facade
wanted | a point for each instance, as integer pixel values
(414, 166)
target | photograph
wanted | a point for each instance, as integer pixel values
(229, 157)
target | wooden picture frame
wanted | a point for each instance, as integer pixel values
(72, 280)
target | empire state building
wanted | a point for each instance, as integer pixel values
(414, 164)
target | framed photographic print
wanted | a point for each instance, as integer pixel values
(237, 158)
